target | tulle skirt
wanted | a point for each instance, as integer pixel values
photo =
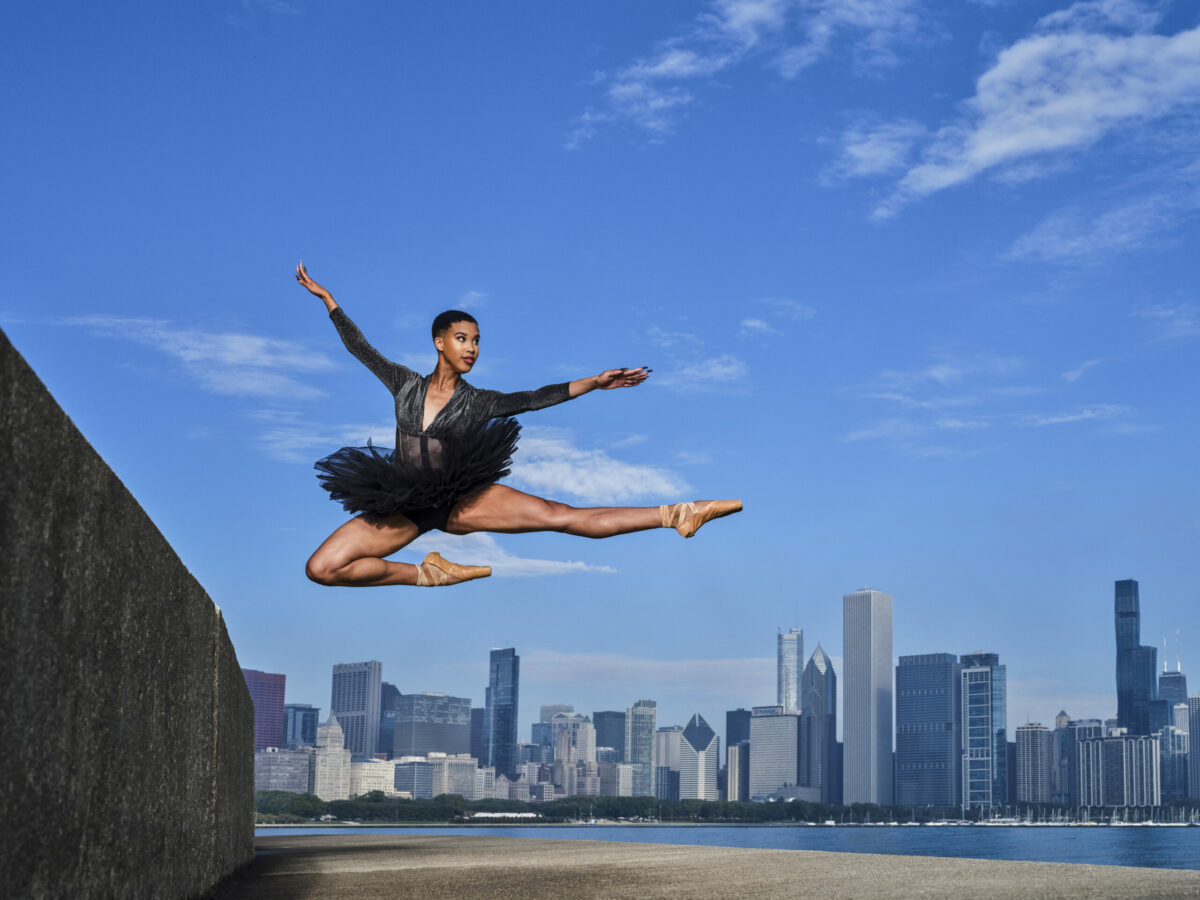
(377, 482)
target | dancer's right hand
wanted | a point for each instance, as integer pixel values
(314, 288)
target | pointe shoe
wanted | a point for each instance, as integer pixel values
(434, 571)
(686, 518)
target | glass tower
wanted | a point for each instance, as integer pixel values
(984, 731)
(266, 691)
(640, 745)
(789, 656)
(818, 699)
(929, 730)
(356, 694)
(1137, 683)
(500, 711)
(610, 730)
(301, 721)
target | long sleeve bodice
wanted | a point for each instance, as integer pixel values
(468, 409)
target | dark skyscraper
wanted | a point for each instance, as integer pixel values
(389, 696)
(300, 725)
(477, 734)
(429, 722)
(737, 726)
(1172, 687)
(266, 690)
(610, 730)
(929, 730)
(1137, 683)
(500, 711)
(818, 702)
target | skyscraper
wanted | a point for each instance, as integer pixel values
(389, 696)
(789, 658)
(774, 756)
(1119, 771)
(737, 726)
(300, 725)
(698, 761)
(266, 690)
(1194, 747)
(1172, 686)
(640, 722)
(818, 700)
(984, 731)
(866, 698)
(431, 722)
(476, 744)
(500, 711)
(1068, 736)
(610, 730)
(355, 705)
(541, 733)
(929, 730)
(1035, 763)
(1137, 665)
(667, 741)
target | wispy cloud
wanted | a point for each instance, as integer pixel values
(1171, 321)
(472, 300)
(1075, 79)
(483, 550)
(715, 372)
(753, 327)
(1083, 414)
(231, 363)
(289, 437)
(788, 37)
(791, 309)
(877, 148)
(1073, 375)
(549, 463)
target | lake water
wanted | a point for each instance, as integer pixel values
(1156, 847)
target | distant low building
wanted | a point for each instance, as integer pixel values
(282, 770)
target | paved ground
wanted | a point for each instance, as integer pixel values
(498, 868)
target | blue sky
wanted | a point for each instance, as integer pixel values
(913, 279)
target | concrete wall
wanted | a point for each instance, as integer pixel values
(126, 730)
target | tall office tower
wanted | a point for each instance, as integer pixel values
(1119, 771)
(266, 690)
(541, 732)
(500, 711)
(699, 753)
(1074, 731)
(331, 762)
(575, 734)
(929, 730)
(1194, 747)
(818, 700)
(1172, 687)
(389, 697)
(737, 769)
(867, 698)
(1035, 763)
(774, 756)
(789, 659)
(610, 731)
(667, 742)
(984, 731)
(476, 745)
(355, 705)
(300, 722)
(1137, 682)
(431, 722)
(1058, 785)
(737, 726)
(640, 722)
(1173, 748)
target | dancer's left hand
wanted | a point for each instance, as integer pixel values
(616, 378)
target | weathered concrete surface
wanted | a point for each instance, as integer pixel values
(364, 867)
(127, 737)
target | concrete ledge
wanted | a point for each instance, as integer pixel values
(388, 866)
(128, 729)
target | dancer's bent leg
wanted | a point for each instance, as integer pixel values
(500, 508)
(353, 556)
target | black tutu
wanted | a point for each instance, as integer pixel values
(377, 482)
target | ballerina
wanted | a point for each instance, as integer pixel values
(454, 442)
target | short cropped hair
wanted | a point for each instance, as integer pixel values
(445, 319)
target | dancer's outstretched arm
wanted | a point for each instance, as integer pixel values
(392, 374)
(526, 401)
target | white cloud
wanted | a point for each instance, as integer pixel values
(751, 327)
(877, 149)
(231, 363)
(1095, 15)
(472, 300)
(650, 93)
(289, 438)
(715, 372)
(548, 463)
(1171, 321)
(1057, 91)
(483, 550)
(1073, 375)
(1084, 414)
(792, 309)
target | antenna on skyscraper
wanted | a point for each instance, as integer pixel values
(1178, 664)
(1165, 656)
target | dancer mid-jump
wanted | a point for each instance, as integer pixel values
(453, 443)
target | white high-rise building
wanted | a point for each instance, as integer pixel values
(331, 763)
(789, 663)
(774, 744)
(698, 761)
(866, 698)
(355, 702)
(1035, 763)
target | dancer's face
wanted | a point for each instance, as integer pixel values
(459, 346)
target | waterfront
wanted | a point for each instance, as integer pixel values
(1150, 846)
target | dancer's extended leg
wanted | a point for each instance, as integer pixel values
(500, 508)
(353, 556)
